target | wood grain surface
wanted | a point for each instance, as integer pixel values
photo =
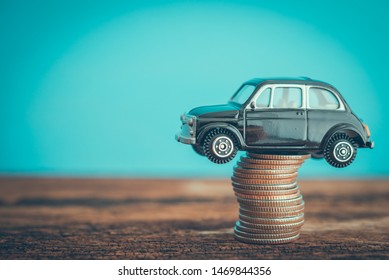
(59, 218)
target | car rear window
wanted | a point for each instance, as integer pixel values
(320, 98)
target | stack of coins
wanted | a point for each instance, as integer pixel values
(271, 207)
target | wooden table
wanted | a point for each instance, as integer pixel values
(58, 218)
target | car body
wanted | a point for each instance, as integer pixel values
(278, 115)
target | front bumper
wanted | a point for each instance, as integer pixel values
(185, 139)
(370, 144)
(187, 134)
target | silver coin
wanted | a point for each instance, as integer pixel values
(262, 192)
(265, 235)
(270, 203)
(281, 227)
(295, 163)
(268, 182)
(254, 228)
(278, 209)
(265, 187)
(266, 241)
(271, 221)
(278, 157)
(246, 175)
(266, 167)
(278, 230)
(265, 171)
(268, 197)
(271, 214)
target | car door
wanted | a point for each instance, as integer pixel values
(276, 116)
(325, 110)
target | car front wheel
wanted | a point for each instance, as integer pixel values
(198, 149)
(220, 145)
(317, 155)
(340, 150)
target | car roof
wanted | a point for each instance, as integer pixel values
(284, 80)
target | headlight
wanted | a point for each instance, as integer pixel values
(191, 121)
(367, 129)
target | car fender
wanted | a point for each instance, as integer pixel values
(230, 127)
(340, 127)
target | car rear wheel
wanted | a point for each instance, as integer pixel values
(220, 145)
(340, 150)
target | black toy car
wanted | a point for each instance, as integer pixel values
(278, 115)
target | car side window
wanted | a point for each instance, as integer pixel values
(320, 98)
(287, 97)
(263, 100)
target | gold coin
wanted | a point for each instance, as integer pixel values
(264, 187)
(295, 163)
(271, 221)
(265, 235)
(262, 192)
(278, 157)
(262, 181)
(264, 171)
(266, 241)
(265, 176)
(270, 203)
(267, 166)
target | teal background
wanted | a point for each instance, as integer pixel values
(96, 88)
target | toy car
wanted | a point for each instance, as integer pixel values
(278, 115)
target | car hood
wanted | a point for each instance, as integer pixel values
(215, 111)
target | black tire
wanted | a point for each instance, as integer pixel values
(199, 150)
(340, 150)
(220, 145)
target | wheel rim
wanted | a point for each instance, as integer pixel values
(223, 146)
(343, 151)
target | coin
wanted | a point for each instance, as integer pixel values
(279, 209)
(268, 230)
(271, 208)
(252, 170)
(264, 230)
(271, 162)
(261, 192)
(272, 221)
(285, 211)
(265, 176)
(272, 214)
(262, 181)
(268, 197)
(265, 187)
(266, 241)
(266, 166)
(251, 227)
(265, 235)
(270, 203)
(278, 157)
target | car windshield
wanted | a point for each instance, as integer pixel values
(242, 94)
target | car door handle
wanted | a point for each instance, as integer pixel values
(300, 113)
